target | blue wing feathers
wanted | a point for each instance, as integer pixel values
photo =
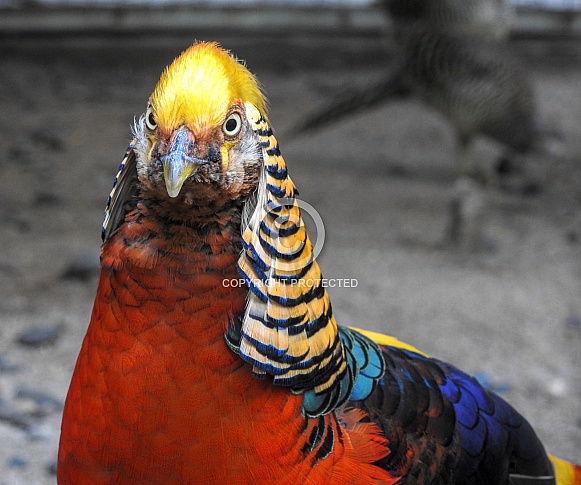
(467, 412)
(491, 431)
(447, 416)
(365, 361)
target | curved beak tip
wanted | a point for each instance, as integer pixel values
(172, 191)
(175, 172)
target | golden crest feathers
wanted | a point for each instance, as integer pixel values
(199, 86)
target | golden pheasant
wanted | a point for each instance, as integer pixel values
(213, 356)
(447, 56)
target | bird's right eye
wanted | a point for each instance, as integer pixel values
(233, 124)
(150, 119)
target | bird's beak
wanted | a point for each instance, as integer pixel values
(179, 164)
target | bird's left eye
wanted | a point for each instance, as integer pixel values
(232, 125)
(150, 119)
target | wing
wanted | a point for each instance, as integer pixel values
(122, 197)
(496, 440)
(444, 427)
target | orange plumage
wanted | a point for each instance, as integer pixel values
(157, 397)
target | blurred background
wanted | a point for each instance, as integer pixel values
(463, 234)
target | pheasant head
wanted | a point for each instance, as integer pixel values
(194, 145)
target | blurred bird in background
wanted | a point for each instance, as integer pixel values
(213, 355)
(488, 19)
(451, 55)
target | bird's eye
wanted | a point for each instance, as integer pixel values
(232, 125)
(150, 119)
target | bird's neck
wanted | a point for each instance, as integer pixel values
(152, 237)
(184, 268)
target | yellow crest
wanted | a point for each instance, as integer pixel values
(199, 86)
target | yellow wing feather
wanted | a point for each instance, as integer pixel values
(382, 339)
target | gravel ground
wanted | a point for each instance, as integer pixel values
(381, 182)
